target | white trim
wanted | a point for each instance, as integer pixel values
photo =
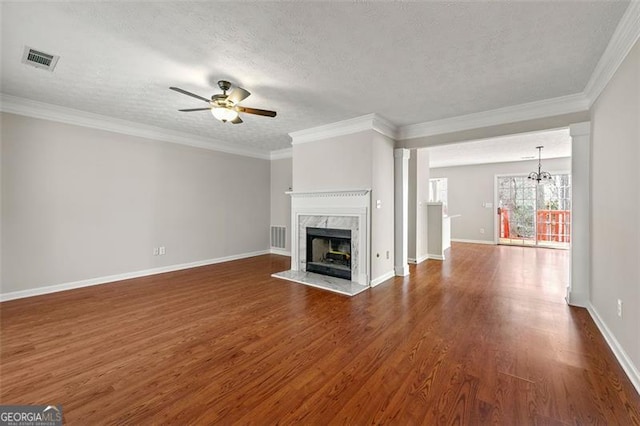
(124, 276)
(436, 257)
(617, 349)
(384, 127)
(460, 240)
(281, 154)
(401, 211)
(27, 107)
(419, 260)
(623, 39)
(280, 252)
(382, 278)
(529, 111)
(346, 127)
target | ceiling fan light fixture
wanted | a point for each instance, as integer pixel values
(224, 114)
(225, 107)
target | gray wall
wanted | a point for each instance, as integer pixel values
(80, 203)
(615, 204)
(382, 188)
(470, 186)
(347, 166)
(281, 181)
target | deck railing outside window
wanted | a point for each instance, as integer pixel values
(551, 225)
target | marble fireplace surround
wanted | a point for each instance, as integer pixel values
(338, 210)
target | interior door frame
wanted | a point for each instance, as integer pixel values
(496, 217)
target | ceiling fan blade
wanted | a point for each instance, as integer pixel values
(194, 109)
(237, 95)
(184, 92)
(256, 111)
(237, 120)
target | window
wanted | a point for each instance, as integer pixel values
(438, 190)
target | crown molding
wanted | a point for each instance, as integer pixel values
(346, 127)
(523, 112)
(281, 154)
(30, 108)
(623, 39)
(384, 127)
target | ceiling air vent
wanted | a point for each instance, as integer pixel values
(39, 59)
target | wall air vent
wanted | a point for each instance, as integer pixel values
(278, 237)
(39, 59)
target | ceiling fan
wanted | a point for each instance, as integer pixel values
(225, 106)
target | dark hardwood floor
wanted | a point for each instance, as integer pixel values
(483, 338)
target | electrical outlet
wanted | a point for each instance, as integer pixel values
(387, 254)
(620, 308)
(162, 251)
(156, 251)
(482, 230)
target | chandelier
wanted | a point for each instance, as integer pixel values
(540, 175)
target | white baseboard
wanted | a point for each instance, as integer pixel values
(618, 351)
(281, 252)
(382, 278)
(419, 260)
(124, 276)
(436, 256)
(459, 240)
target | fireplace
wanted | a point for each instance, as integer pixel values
(345, 211)
(330, 241)
(329, 251)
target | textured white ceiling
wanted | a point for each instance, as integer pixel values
(557, 144)
(313, 62)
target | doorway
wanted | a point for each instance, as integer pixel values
(534, 214)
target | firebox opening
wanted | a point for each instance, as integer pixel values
(329, 252)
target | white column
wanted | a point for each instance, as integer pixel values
(578, 291)
(401, 217)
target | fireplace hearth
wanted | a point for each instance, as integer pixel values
(329, 252)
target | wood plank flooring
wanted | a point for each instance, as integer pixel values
(483, 338)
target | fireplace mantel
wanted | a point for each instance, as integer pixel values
(341, 193)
